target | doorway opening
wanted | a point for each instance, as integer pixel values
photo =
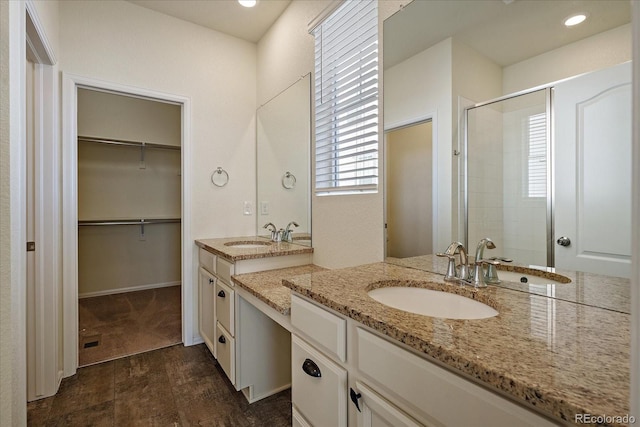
(409, 190)
(129, 215)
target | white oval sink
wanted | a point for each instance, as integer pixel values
(254, 244)
(527, 279)
(432, 303)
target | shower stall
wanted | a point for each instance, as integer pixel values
(546, 174)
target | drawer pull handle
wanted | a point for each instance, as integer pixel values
(310, 368)
(222, 339)
(210, 281)
(221, 294)
(354, 398)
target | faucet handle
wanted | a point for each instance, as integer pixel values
(450, 275)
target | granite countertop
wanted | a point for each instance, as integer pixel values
(222, 248)
(267, 285)
(563, 357)
(612, 293)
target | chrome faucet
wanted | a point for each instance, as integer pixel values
(288, 231)
(486, 242)
(480, 278)
(275, 235)
(455, 273)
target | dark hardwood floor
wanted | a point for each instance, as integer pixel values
(173, 386)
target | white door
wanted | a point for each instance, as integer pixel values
(592, 116)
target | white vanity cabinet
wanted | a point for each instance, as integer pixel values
(387, 384)
(206, 299)
(253, 350)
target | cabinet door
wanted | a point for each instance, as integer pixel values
(375, 411)
(206, 308)
(319, 386)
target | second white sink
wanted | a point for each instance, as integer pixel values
(432, 303)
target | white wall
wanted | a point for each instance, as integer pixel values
(421, 87)
(600, 51)
(347, 230)
(12, 257)
(125, 44)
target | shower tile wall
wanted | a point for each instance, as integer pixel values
(524, 217)
(485, 178)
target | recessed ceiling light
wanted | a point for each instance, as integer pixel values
(575, 19)
(248, 3)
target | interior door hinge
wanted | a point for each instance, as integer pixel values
(31, 246)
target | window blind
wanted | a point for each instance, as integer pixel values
(346, 99)
(537, 156)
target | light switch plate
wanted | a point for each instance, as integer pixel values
(248, 208)
(264, 208)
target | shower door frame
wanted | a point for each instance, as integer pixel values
(550, 202)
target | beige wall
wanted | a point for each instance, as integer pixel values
(108, 115)
(409, 196)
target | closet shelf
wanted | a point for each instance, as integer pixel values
(130, 221)
(127, 143)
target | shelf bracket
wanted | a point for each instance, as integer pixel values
(142, 152)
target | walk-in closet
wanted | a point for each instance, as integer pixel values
(129, 225)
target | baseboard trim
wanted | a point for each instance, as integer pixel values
(129, 289)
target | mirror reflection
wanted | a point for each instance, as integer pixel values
(435, 72)
(283, 159)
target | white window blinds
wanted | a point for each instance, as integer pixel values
(537, 156)
(346, 94)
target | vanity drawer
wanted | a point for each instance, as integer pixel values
(207, 260)
(225, 351)
(225, 306)
(225, 270)
(324, 328)
(320, 398)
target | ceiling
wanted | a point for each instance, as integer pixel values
(225, 16)
(505, 31)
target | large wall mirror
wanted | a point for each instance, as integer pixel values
(283, 162)
(492, 77)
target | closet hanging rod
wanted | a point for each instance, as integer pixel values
(127, 143)
(131, 221)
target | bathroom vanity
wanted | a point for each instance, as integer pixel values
(251, 344)
(540, 361)
(551, 354)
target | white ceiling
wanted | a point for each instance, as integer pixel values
(226, 16)
(506, 32)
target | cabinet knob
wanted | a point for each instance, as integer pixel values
(210, 281)
(354, 398)
(222, 339)
(310, 368)
(221, 294)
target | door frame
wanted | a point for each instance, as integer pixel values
(70, 85)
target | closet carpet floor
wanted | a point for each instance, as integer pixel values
(173, 386)
(113, 326)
